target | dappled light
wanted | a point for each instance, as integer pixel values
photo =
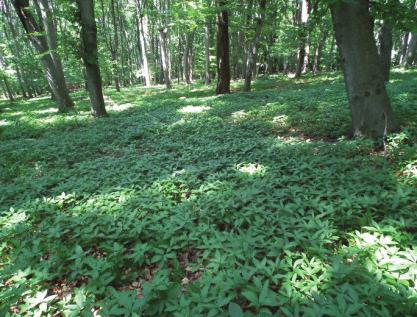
(150, 202)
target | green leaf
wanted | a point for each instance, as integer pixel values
(235, 310)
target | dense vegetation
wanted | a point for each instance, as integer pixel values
(183, 203)
(208, 158)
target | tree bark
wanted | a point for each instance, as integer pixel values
(36, 34)
(90, 56)
(207, 53)
(8, 89)
(251, 57)
(163, 43)
(411, 55)
(142, 43)
(223, 50)
(114, 46)
(404, 46)
(385, 49)
(301, 18)
(187, 57)
(372, 115)
(318, 51)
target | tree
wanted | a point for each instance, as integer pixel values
(90, 56)
(252, 54)
(46, 48)
(372, 115)
(222, 57)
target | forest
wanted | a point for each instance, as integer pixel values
(203, 158)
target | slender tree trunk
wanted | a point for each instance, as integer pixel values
(207, 53)
(142, 43)
(115, 46)
(372, 115)
(90, 56)
(163, 41)
(385, 49)
(223, 50)
(318, 51)
(187, 57)
(53, 71)
(404, 47)
(8, 89)
(251, 57)
(411, 55)
(302, 15)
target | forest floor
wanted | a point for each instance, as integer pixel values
(183, 203)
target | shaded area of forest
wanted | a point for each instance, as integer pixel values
(183, 203)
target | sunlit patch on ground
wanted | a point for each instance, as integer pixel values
(239, 115)
(49, 110)
(3, 122)
(120, 107)
(251, 169)
(194, 109)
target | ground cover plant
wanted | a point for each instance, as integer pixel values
(183, 203)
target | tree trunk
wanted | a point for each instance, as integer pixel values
(301, 18)
(163, 42)
(223, 50)
(53, 71)
(251, 57)
(410, 56)
(8, 89)
(115, 46)
(207, 53)
(142, 43)
(404, 47)
(372, 115)
(187, 57)
(90, 56)
(317, 53)
(385, 49)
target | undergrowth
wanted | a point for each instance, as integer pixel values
(183, 203)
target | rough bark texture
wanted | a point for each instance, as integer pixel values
(372, 115)
(54, 72)
(385, 49)
(223, 51)
(252, 54)
(90, 56)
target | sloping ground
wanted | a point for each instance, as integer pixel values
(187, 204)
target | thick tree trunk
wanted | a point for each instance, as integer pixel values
(163, 41)
(252, 55)
(385, 49)
(142, 42)
(90, 56)
(223, 50)
(53, 71)
(372, 115)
